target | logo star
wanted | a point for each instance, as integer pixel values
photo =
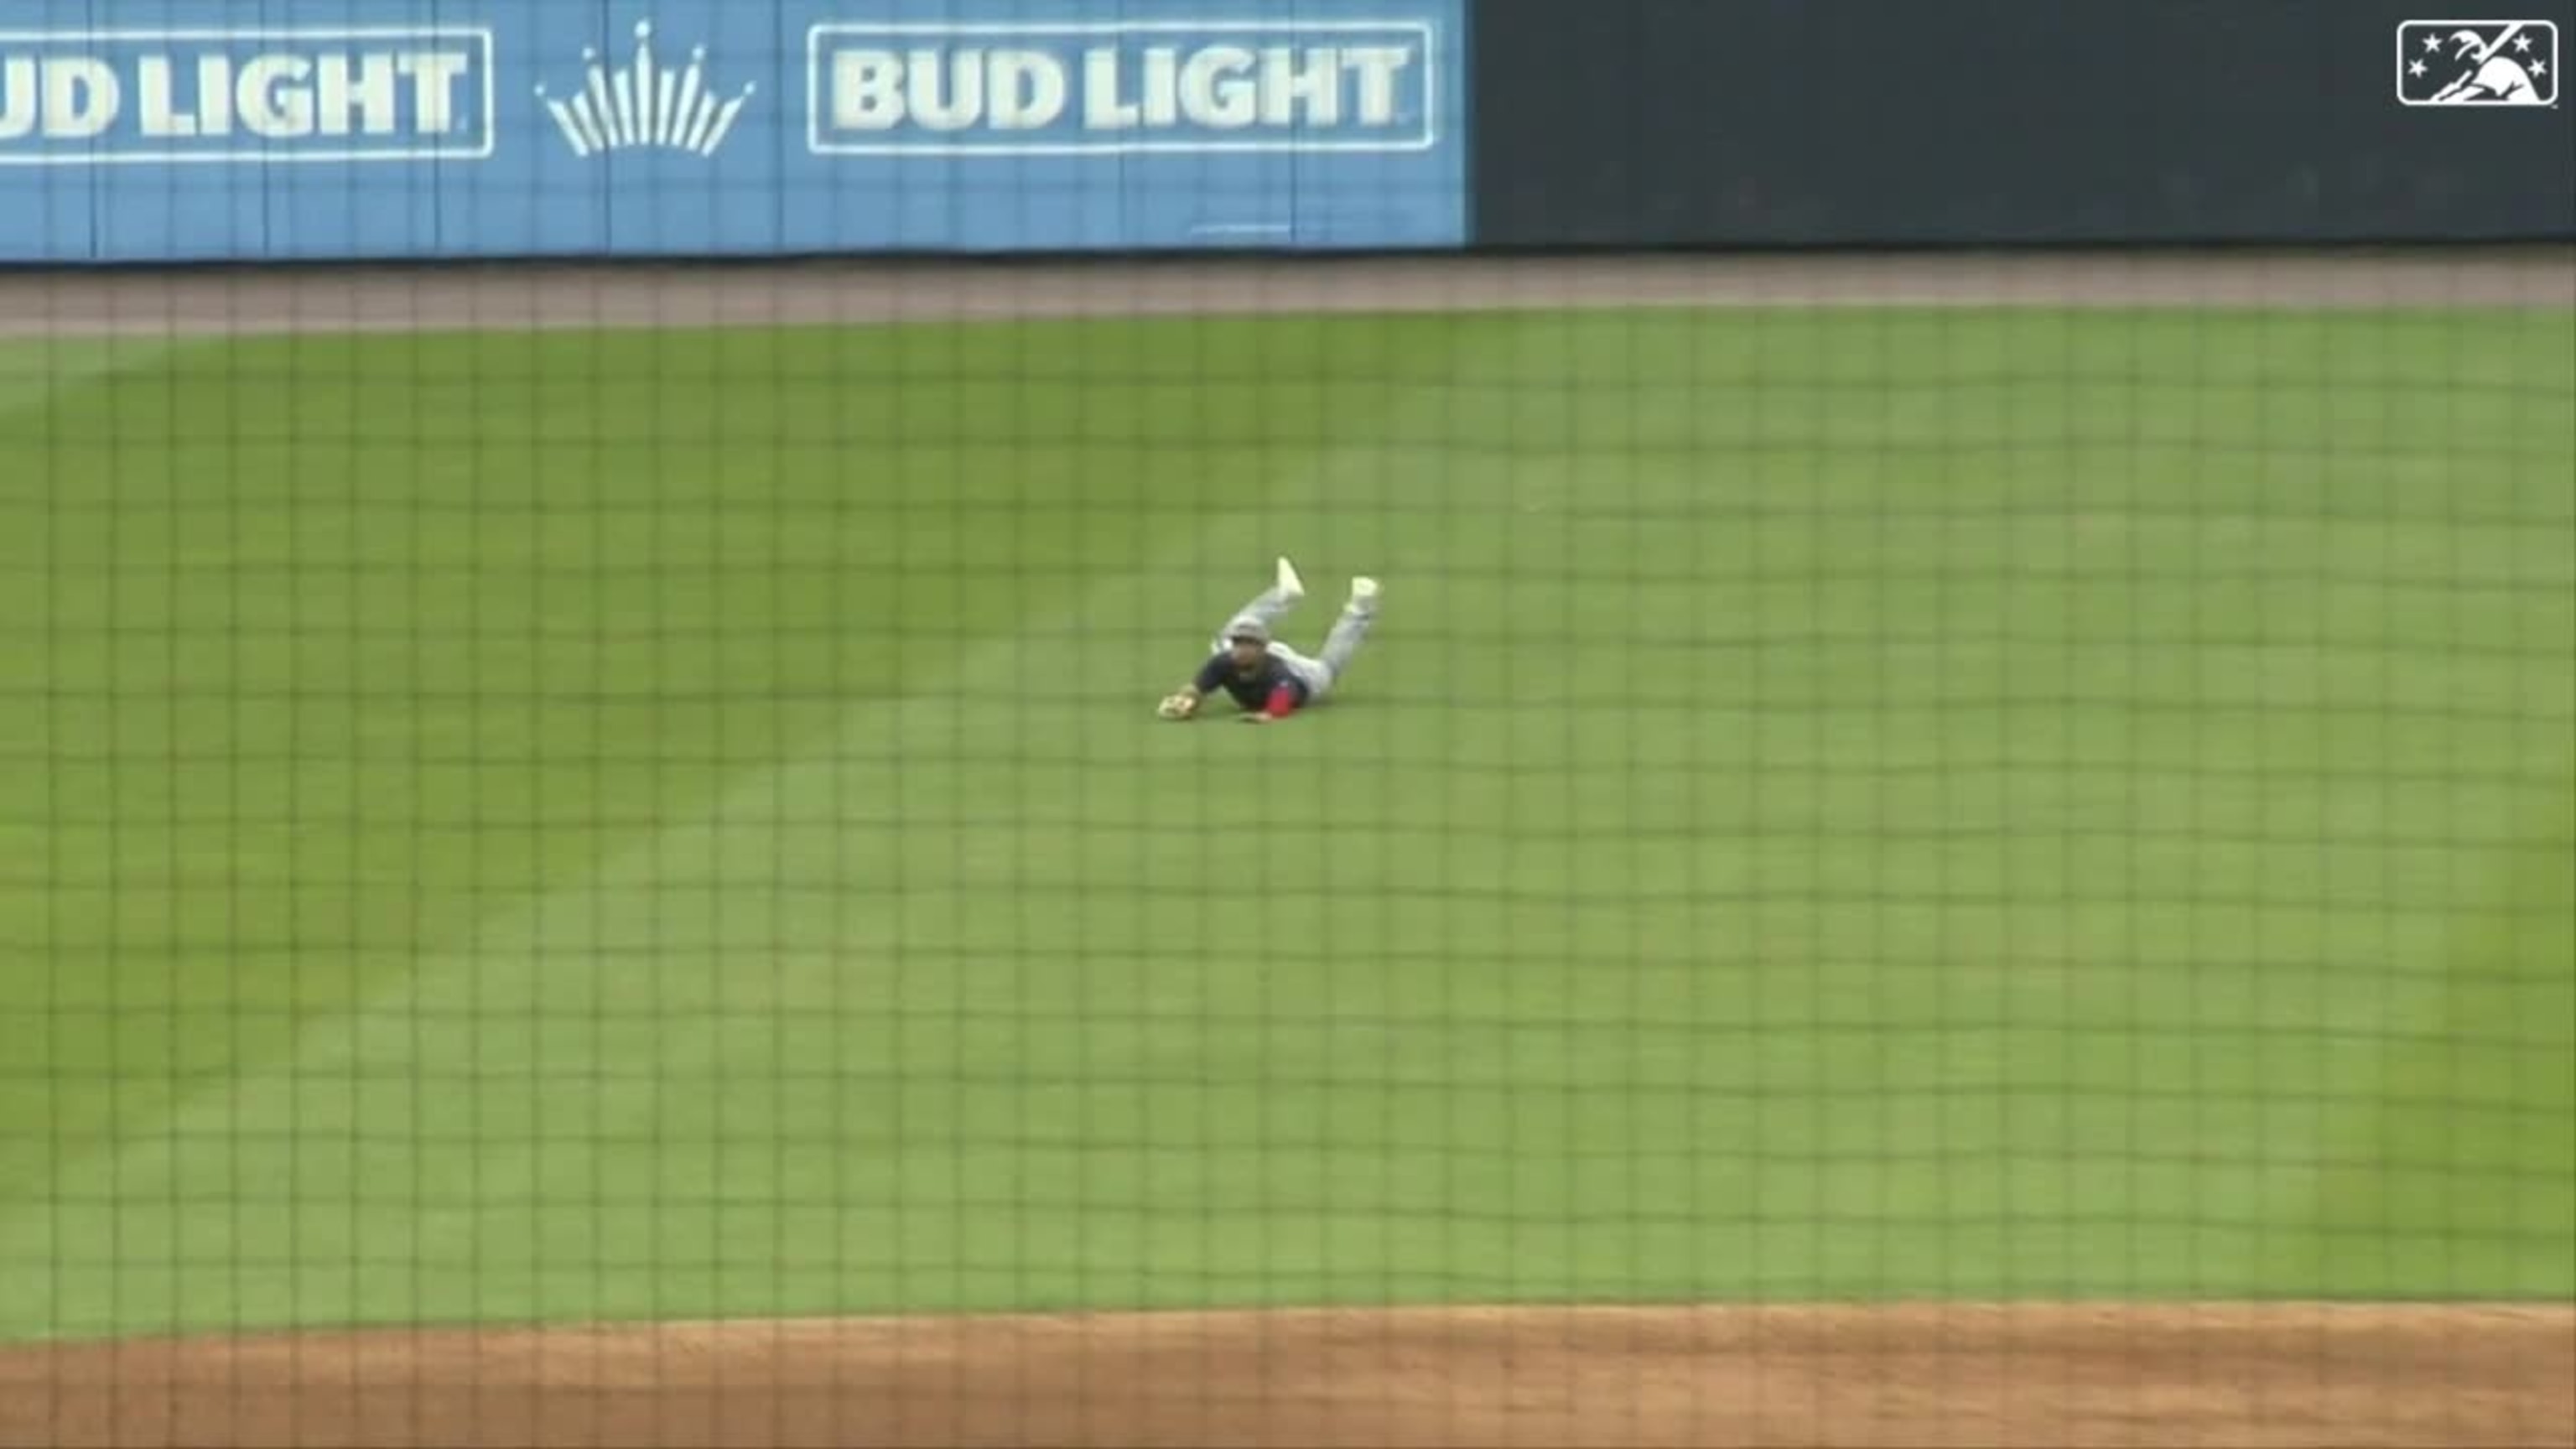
(2522, 43)
(2416, 68)
(2432, 43)
(2539, 68)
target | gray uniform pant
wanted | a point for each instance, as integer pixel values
(1319, 673)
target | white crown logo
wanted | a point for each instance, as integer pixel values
(645, 105)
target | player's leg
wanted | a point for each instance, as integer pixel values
(1267, 607)
(1350, 631)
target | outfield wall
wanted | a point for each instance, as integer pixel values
(179, 131)
(1699, 123)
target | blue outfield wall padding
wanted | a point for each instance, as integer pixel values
(144, 131)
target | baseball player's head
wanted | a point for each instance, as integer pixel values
(2466, 43)
(1246, 643)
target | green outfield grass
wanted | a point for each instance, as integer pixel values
(1846, 804)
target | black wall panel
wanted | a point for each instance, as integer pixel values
(1627, 123)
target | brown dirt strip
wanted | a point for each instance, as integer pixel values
(163, 304)
(2082, 1377)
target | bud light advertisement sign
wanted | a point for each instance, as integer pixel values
(1118, 88)
(392, 129)
(189, 97)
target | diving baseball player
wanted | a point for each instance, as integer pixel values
(1267, 678)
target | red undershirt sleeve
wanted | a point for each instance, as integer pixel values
(1283, 703)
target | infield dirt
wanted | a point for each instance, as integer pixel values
(1924, 1375)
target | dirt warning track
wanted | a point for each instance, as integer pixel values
(163, 304)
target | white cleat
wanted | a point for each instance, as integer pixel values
(1291, 587)
(1363, 594)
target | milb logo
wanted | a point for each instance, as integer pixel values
(1077, 89)
(211, 97)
